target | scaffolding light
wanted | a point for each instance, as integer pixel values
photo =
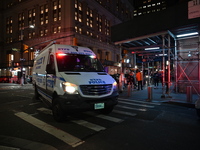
(187, 34)
(152, 48)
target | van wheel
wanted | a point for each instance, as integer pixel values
(107, 110)
(58, 113)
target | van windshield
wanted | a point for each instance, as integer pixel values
(81, 63)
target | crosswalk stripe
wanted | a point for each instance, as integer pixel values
(8, 148)
(64, 136)
(134, 104)
(131, 108)
(124, 113)
(89, 125)
(137, 101)
(80, 122)
(34, 103)
(45, 110)
(109, 118)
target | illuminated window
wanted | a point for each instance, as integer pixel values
(80, 30)
(76, 29)
(20, 21)
(41, 9)
(99, 22)
(107, 27)
(57, 10)
(78, 11)
(41, 33)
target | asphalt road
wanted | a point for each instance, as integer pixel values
(28, 124)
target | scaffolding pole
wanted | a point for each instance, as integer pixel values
(163, 67)
(169, 66)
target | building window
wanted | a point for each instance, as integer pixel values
(41, 33)
(57, 29)
(9, 28)
(107, 27)
(44, 14)
(57, 10)
(89, 20)
(78, 30)
(78, 11)
(21, 21)
(99, 22)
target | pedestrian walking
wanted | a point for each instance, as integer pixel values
(130, 79)
(139, 79)
(156, 79)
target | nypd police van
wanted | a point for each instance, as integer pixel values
(71, 79)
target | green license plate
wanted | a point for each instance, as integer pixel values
(99, 106)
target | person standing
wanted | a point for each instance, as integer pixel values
(139, 79)
(156, 79)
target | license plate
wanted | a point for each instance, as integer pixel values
(99, 106)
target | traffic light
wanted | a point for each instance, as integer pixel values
(25, 48)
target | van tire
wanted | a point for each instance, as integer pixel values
(107, 110)
(58, 113)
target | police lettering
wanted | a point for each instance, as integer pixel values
(96, 81)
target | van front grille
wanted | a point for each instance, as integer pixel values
(96, 89)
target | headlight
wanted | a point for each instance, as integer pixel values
(70, 88)
(115, 86)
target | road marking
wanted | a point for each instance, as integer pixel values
(89, 125)
(64, 136)
(8, 148)
(124, 113)
(34, 103)
(45, 110)
(134, 104)
(109, 118)
(80, 122)
(131, 108)
(137, 101)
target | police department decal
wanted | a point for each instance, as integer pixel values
(96, 81)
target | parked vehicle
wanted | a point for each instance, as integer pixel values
(71, 79)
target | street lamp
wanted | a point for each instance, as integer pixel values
(22, 51)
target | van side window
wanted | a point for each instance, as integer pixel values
(51, 65)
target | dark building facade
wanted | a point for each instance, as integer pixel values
(142, 7)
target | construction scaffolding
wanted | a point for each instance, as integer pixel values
(188, 65)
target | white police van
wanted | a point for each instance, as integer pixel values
(71, 79)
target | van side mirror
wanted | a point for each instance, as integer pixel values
(50, 69)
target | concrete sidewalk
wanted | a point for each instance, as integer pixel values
(158, 96)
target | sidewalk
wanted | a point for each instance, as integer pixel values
(157, 96)
(142, 95)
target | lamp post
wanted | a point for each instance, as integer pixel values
(22, 51)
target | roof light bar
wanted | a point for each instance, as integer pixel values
(152, 48)
(188, 34)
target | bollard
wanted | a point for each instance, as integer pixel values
(129, 90)
(150, 93)
(189, 93)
